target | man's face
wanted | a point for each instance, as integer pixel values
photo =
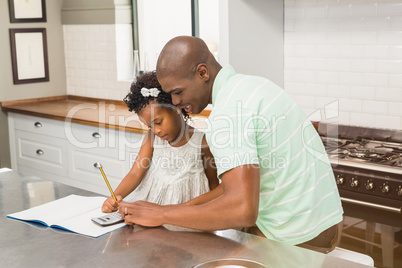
(192, 95)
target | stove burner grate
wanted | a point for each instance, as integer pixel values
(398, 163)
(331, 144)
(364, 150)
(367, 155)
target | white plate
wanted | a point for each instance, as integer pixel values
(231, 263)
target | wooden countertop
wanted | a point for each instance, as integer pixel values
(89, 111)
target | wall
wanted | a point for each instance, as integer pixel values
(91, 60)
(98, 47)
(97, 78)
(89, 11)
(256, 38)
(56, 85)
(99, 52)
(57, 82)
(346, 54)
(159, 25)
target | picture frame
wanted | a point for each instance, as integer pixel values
(22, 11)
(29, 55)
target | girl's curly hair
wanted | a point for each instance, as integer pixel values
(136, 101)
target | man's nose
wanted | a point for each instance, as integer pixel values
(175, 100)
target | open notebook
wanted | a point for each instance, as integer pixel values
(72, 213)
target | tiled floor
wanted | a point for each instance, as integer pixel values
(354, 244)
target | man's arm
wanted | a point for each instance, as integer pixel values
(236, 207)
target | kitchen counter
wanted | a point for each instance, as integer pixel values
(33, 245)
(89, 111)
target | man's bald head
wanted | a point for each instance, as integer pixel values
(186, 69)
(181, 55)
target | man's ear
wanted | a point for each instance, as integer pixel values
(202, 71)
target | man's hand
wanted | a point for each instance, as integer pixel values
(142, 213)
(236, 205)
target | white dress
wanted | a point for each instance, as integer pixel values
(176, 174)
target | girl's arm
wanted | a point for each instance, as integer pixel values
(204, 198)
(140, 166)
(134, 176)
(209, 165)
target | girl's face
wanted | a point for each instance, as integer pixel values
(163, 120)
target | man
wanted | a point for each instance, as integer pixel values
(275, 175)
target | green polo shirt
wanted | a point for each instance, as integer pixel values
(254, 121)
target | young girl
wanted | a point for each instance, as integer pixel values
(174, 164)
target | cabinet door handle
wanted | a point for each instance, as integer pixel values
(96, 135)
(38, 124)
(39, 152)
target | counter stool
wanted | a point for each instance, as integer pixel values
(352, 256)
(387, 244)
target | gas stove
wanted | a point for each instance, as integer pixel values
(367, 165)
(384, 155)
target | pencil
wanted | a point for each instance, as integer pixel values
(107, 182)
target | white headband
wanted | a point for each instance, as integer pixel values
(153, 92)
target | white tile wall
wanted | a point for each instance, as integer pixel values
(348, 51)
(91, 61)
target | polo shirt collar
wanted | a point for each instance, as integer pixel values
(220, 80)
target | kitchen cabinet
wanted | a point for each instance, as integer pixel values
(66, 152)
(61, 138)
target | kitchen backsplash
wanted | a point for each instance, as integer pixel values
(91, 60)
(345, 55)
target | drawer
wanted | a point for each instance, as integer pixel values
(112, 153)
(83, 168)
(41, 152)
(90, 137)
(38, 125)
(87, 137)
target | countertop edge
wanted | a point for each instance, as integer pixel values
(15, 107)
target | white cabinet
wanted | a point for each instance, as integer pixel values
(41, 152)
(67, 152)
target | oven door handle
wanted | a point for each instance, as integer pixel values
(372, 205)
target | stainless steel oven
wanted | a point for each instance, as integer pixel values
(367, 164)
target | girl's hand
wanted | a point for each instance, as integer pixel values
(110, 205)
